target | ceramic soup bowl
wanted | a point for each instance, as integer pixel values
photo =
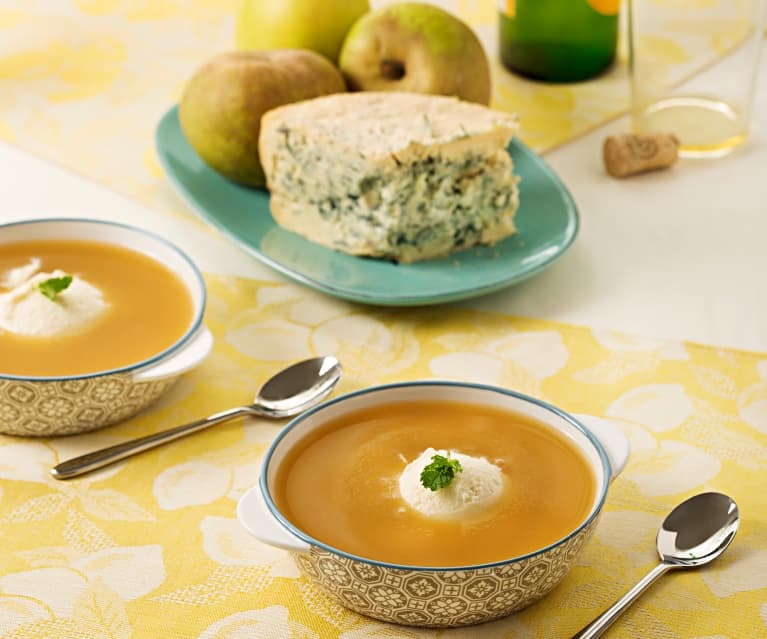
(426, 596)
(65, 405)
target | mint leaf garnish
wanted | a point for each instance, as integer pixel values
(440, 472)
(54, 285)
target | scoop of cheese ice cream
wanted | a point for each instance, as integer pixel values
(477, 486)
(24, 310)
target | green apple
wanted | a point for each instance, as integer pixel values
(319, 25)
(221, 107)
(415, 47)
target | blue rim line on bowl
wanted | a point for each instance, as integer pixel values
(596, 508)
(195, 325)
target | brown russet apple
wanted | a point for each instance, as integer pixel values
(221, 107)
(415, 47)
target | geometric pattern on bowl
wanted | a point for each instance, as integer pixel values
(441, 598)
(66, 407)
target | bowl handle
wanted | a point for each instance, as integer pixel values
(259, 521)
(196, 349)
(615, 443)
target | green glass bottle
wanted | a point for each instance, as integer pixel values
(558, 40)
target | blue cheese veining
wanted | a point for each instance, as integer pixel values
(400, 176)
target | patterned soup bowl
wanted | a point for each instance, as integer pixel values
(427, 596)
(66, 405)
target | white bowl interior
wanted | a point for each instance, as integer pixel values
(421, 391)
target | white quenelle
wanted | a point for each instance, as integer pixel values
(476, 487)
(25, 310)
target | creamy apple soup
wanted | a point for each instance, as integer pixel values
(521, 485)
(70, 307)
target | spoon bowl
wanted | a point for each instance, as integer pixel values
(288, 393)
(698, 530)
(693, 534)
(296, 388)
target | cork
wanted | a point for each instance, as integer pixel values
(626, 155)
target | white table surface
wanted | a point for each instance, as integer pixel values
(678, 254)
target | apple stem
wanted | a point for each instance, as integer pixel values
(392, 69)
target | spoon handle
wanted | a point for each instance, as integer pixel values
(105, 456)
(605, 620)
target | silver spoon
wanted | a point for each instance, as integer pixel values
(288, 393)
(696, 532)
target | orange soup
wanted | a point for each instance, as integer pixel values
(340, 484)
(148, 308)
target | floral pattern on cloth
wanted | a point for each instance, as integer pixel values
(151, 547)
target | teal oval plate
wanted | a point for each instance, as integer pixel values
(547, 223)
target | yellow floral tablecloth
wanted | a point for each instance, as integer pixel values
(151, 548)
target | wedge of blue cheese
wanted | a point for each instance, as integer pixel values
(400, 176)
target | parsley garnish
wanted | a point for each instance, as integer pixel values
(54, 285)
(440, 472)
